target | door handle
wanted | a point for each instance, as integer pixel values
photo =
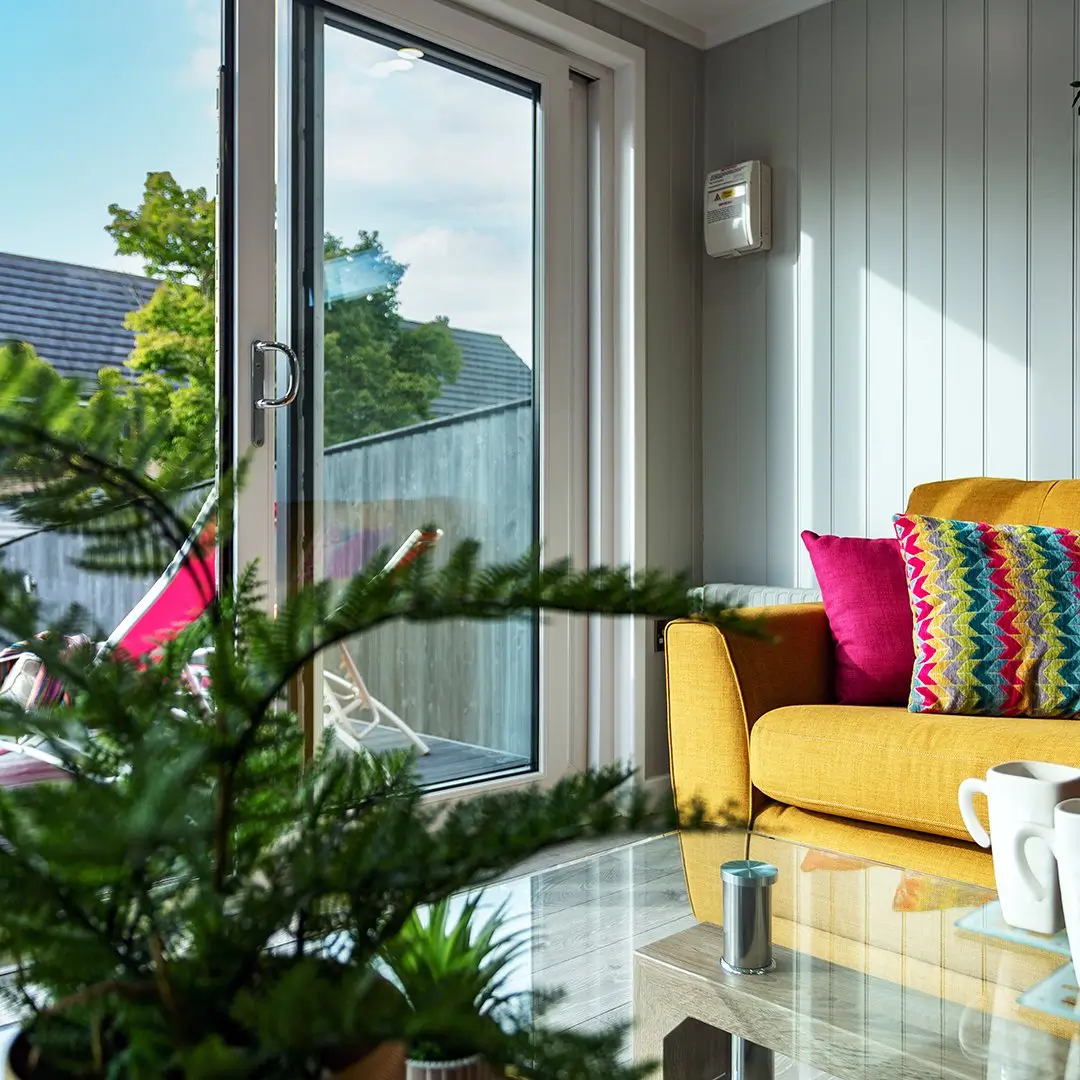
(260, 403)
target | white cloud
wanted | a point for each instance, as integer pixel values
(441, 165)
(428, 131)
(385, 68)
(476, 279)
(200, 69)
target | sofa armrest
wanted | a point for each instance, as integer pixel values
(719, 683)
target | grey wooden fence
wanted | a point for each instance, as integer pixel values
(471, 474)
(50, 560)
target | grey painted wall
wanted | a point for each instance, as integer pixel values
(915, 318)
(674, 90)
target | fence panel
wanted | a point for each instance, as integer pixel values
(472, 475)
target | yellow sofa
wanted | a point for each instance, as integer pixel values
(754, 730)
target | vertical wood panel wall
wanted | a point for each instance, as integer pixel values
(915, 319)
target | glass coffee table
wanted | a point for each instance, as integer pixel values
(874, 979)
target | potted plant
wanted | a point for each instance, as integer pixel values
(200, 899)
(453, 974)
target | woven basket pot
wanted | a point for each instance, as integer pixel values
(470, 1068)
(385, 1062)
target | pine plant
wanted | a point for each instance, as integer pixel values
(199, 899)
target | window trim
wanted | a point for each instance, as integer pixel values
(620, 654)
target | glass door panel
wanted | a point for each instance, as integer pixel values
(419, 160)
(427, 341)
(107, 240)
(424, 342)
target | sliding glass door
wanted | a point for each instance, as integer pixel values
(424, 285)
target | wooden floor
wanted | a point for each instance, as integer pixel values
(585, 919)
(448, 761)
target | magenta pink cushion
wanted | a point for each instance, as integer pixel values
(864, 587)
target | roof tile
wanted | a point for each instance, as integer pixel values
(74, 318)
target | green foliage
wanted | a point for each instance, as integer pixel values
(200, 900)
(172, 230)
(95, 468)
(378, 375)
(452, 971)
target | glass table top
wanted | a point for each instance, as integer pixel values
(877, 974)
(880, 972)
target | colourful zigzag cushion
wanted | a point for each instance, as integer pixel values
(997, 617)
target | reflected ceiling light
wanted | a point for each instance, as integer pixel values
(409, 52)
(385, 68)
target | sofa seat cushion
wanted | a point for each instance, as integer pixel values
(892, 767)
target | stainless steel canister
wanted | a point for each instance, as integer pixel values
(747, 916)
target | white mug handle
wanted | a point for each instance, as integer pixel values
(1020, 839)
(969, 788)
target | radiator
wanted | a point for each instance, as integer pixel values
(755, 595)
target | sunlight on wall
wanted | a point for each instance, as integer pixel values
(889, 394)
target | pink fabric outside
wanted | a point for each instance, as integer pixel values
(21, 770)
(181, 602)
(864, 588)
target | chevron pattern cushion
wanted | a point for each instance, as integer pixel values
(997, 617)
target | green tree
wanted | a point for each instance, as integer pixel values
(379, 375)
(172, 231)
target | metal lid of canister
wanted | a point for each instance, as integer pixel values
(748, 873)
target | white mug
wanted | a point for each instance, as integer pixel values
(1063, 840)
(1019, 793)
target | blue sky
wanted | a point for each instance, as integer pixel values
(98, 94)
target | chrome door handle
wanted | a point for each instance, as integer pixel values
(260, 403)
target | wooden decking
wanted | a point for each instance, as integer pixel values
(449, 761)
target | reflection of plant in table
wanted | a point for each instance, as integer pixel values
(199, 900)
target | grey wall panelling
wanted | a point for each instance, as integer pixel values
(915, 318)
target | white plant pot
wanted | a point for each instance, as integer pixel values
(470, 1068)
(6, 1047)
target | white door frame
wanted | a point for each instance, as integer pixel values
(563, 494)
(253, 253)
(619, 654)
(614, 699)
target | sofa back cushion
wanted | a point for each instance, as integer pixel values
(997, 617)
(1055, 503)
(864, 589)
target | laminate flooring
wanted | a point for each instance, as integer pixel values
(583, 920)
